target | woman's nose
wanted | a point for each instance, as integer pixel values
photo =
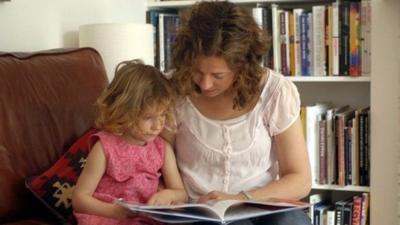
(205, 82)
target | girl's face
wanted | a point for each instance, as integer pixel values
(148, 126)
(213, 76)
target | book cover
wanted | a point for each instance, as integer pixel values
(223, 212)
(356, 217)
(152, 17)
(364, 208)
(297, 41)
(348, 212)
(275, 38)
(330, 217)
(340, 123)
(344, 38)
(318, 27)
(339, 206)
(354, 39)
(305, 43)
(322, 149)
(335, 39)
(312, 134)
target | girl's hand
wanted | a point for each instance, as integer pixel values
(217, 195)
(166, 197)
(120, 212)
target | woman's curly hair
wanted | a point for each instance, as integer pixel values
(225, 30)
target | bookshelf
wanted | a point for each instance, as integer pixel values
(379, 90)
(186, 3)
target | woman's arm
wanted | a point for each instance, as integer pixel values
(294, 167)
(174, 192)
(294, 170)
(82, 198)
(169, 136)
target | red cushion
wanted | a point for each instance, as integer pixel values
(54, 187)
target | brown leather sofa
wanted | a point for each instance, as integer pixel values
(46, 102)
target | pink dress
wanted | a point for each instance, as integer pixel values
(132, 173)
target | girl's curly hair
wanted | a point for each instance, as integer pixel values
(134, 88)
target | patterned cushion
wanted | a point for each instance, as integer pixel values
(54, 187)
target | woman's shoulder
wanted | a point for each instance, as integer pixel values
(277, 84)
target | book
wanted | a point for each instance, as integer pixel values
(315, 200)
(312, 134)
(222, 212)
(152, 17)
(330, 217)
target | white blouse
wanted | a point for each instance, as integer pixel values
(236, 154)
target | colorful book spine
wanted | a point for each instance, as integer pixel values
(284, 41)
(322, 149)
(344, 38)
(292, 51)
(357, 204)
(275, 38)
(354, 39)
(305, 45)
(365, 37)
(335, 39)
(318, 27)
(297, 41)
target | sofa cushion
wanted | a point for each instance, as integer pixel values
(54, 187)
(46, 102)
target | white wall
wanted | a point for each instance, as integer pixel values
(30, 25)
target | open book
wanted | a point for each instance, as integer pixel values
(222, 212)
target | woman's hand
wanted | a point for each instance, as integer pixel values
(167, 197)
(217, 195)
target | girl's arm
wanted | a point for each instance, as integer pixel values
(174, 191)
(82, 198)
(294, 170)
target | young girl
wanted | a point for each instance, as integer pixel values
(128, 157)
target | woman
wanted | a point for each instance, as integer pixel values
(239, 135)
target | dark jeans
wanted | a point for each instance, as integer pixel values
(295, 217)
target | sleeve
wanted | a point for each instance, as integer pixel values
(283, 109)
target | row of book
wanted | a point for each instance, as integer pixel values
(338, 144)
(321, 40)
(165, 24)
(351, 211)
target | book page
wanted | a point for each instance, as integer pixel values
(197, 211)
(216, 211)
(248, 210)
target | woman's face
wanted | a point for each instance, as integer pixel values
(213, 76)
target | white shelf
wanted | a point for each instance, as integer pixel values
(329, 79)
(341, 188)
(381, 91)
(172, 4)
(185, 3)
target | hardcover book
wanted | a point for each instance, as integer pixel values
(220, 212)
